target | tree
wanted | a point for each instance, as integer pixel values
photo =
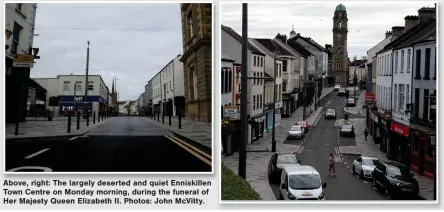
(53, 102)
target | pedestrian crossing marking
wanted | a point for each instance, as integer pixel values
(300, 149)
(338, 158)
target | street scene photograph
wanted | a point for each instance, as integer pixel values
(108, 87)
(329, 101)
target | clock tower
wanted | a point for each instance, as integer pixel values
(340, 60)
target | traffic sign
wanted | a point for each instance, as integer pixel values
(23, 61)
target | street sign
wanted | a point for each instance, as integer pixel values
(433, 140)
(23, 61)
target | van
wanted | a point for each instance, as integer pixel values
(301, 182)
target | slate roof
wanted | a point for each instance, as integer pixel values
(427, 34)
(311, 41)
(238, 38)
(273, 46)
(299, 48)
(357, 62)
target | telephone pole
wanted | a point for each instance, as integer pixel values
(244, 94)
(86, 86)
(273, 140)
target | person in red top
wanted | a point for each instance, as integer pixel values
(331, 165)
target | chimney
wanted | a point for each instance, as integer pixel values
(426, 13)
(410, 22)
(397, 31)
(388, 34)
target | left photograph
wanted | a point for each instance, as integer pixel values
(117, 88)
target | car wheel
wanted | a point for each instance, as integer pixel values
(353, 169)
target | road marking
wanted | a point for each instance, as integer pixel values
(337, 150)
(73, 138)
(344, 161)
(348, 167)
(301, 148)
(37, 153)
(326, 144)
(337, 159)
(365, 182)
(44, 169)
(308, 150)
(184, 146)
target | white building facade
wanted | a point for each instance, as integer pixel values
(20, 21)
(320, 64)
(384, 81)
(402, 80)
(227, 78)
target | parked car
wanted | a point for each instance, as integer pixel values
(296, 131)
(341, 92)
(277, 161)
(364, 166)
(330, 114)
(303, 124)
(347, 130)
(395, 180)
(301, 182)
(337, 88)
(351, 102)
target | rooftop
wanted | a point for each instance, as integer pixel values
(238, 38)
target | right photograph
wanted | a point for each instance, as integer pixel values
(331, 101)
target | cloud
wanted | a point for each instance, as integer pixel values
(367, 22)
(129, 41)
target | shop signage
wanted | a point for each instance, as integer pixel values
(81, 98)
(400, 129)
(369, 98)
(23, 61)
(231, 113)
(374, 117)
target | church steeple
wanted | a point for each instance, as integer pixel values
(292, 33)
(112, 88)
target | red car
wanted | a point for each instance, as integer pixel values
(303, 124)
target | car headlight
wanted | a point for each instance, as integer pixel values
(291, 197)
(321, 196)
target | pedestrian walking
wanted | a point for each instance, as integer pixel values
(365, 133)
(331, 165)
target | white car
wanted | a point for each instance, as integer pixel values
(364, 166)
(296, 131)
(301, 182)
(351, 102)
(337, 87)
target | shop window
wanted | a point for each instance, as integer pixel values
(429, 147)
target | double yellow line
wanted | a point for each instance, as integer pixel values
(206, 158)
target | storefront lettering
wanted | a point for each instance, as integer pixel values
(79, 98)
(399, 129)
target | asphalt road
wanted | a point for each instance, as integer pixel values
(323, 139)
(123, 144)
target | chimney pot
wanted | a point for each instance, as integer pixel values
(397, 31)
(388, 34)
(426, 13)
(410, 22)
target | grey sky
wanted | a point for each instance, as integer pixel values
(129, 41)
(367, 22)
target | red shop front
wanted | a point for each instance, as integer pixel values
(422, 152)
(398, 145)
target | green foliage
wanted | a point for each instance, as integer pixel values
(236, 188)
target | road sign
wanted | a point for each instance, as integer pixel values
(23, 61)
(433, 140)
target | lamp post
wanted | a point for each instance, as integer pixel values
(244, 94)
(86, 86)
(273, 140)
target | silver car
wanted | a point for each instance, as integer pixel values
(330, 114)
(364, 166)
(296, 131)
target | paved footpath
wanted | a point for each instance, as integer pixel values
(357, 110)
(259, 154)
(369, 148)
(196, 131)
(55, 128)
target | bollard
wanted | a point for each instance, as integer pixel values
(158, 116)
(69, 122)
(169, 119)
(163, 118)
(180, 121)
(103, 113)
(94, 117)
(98, 117)
(78, 120)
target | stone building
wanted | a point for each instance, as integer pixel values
(339, 61)
(197, 60)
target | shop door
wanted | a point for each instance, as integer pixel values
(422, 143)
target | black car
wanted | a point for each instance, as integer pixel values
(347, 130)
(276, 163)
(395, 180)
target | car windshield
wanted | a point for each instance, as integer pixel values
(301, 122)
(304, 181)
(351, 99)
(296, 128)
(330, 111)
(368, 162)
(397, 171)
(287, 159)
(347, 126)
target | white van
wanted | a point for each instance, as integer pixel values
(301, 182)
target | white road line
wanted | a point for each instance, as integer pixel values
(37, 153)
(348, 167)
(326, 144)
(365, 182)
(345, 162)
(73, 138)
(301, 148)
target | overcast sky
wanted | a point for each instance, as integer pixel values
(129, 41)
(367, 22)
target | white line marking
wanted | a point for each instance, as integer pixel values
(348, 167)
(365, 182)
(73, 138)
(308, 150)
(37, 153)
(344, 161)
(351, 171)
(326, 144)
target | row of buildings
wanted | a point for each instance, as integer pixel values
(401, 92)
(184, 85)
(291, 64)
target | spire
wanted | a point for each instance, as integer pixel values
(292, 27)
(112, 88)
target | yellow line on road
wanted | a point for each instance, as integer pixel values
(189, 150)
(191, 146)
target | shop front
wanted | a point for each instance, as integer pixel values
(77, 103)
(398, 148)
(422, 150)
(373, 123)
(286, 109)
(268, 118)
(384, 131)
(256, 128)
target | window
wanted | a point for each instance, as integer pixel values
(284, 85)
(280, 70)
(418, 64)
(230, 79)
(427, 64)
(194, 83)
(90, 86)
(254, 102)
(395, 100)
(66, 86)
(429, 147)
(338, 65)
(171, 86)
(280, 92)
(284, 66)
(396, 62)
(254, 80)
(79, 86)
(254, 60)
(408, 60)
(19, 7)
(402, 61)
(436, 58)
(425, 113)
(190, 25)
(401, 97)
(17, 31)
(407, 94)
(262, 62)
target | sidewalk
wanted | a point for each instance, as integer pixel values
(55, 128)
(197, 131)
(368, 148)
(259, 153)
(357, 110)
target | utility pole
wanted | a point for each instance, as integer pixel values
(244, 94)
(273, 140)
(86, 87)
(304, 114)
